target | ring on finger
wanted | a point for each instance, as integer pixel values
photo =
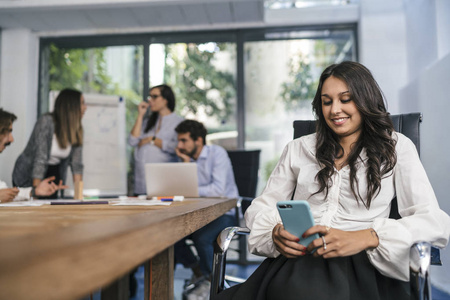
(324, 243)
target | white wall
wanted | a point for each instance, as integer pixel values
(428, 78)
(443, 27)
(18, 90)
(421, 35)
(382, 46)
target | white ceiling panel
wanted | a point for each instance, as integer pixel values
(147, 16)
(220, 12)
(66, 20)
(245, 11)
(71, 17)
(112, 18)
(8, 21)
(195, 14)
(171, 15)
(32, 20)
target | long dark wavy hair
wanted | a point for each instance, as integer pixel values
(166, 93)
(67, 116)
(375, 137)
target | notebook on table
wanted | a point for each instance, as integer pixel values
(171, 179)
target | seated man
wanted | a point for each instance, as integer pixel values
(215, 179)
(45, 188)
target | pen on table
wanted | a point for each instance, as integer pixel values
(169, 198)
(165, 198)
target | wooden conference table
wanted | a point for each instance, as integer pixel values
(69, 251)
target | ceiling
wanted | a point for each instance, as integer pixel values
(72, 17)
(106, 16)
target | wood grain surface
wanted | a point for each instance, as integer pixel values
(68, 251)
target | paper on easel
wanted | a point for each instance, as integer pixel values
(78, 190)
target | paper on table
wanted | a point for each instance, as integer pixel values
(141, 202)
(25, 203)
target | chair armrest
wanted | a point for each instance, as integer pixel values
(220, 252)
(420, 261)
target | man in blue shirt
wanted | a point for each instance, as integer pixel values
(215, 179)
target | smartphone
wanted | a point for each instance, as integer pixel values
(297, 218)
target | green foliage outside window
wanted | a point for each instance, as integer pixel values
(301, 84)
(198, 83)
(85, 70)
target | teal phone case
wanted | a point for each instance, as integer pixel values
(297, 218)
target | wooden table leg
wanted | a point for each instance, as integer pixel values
(158, 278)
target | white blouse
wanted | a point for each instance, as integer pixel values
(57, 153)
(422, 219)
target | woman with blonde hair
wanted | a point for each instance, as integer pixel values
(55, 143)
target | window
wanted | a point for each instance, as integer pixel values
(280, 79)
(246, 86)
(203, 77)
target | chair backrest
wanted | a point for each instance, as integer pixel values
(245, 167)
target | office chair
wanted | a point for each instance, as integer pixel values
(245, 168)
(422, 254)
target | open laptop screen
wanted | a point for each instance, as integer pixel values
(171, 179)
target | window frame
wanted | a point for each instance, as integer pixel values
(238, 36)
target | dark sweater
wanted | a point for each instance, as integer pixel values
(33, 161)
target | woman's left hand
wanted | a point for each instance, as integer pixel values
(338, 243)
(47, 187)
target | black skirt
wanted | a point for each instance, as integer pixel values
(316, 278)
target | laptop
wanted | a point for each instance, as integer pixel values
(171, 179)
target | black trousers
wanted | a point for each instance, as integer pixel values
(53, 170)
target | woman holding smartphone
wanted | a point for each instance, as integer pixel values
(349, 171)
(55, 144)
(154, 136)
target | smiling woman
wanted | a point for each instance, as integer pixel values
(349, 171)
(341, 115)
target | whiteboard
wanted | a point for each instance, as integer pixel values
(104, 146)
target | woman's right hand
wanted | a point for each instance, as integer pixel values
(286, 243)
(142, 108)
